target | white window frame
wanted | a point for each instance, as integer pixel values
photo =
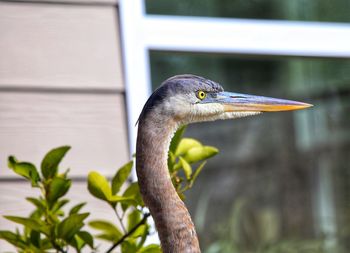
(141, 33)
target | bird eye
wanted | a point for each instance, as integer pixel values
(201, 94)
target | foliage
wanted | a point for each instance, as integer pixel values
(183, 154)
(48, 227)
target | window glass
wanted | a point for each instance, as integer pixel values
(281, 180)
(305, 10)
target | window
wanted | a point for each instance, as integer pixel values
(303, 10)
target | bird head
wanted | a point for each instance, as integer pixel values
(189, 98)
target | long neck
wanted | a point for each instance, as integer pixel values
(175, 227)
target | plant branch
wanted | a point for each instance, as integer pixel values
(120, 219)
(57, 247)
(145, 216)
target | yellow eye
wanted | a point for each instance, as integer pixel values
(201, 94)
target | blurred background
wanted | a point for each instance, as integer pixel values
(281, 182)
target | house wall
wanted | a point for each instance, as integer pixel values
(60, 84)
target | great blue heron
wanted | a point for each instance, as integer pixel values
(181, 100)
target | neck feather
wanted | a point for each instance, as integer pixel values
(173, 222)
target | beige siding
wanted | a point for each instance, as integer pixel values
(93, 124)
(60, 84)
(77, 2)
(48, 45)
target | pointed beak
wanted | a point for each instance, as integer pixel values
(242, 102)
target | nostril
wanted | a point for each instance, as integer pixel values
(237, 97)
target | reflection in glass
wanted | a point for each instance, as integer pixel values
(310, 10)
(281, 180)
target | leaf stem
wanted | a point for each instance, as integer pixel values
(145, 216)
(120, 219)
(57, 247)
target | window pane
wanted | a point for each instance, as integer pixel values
(280, 179)
(306, 10)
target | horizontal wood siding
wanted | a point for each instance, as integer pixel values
(60, 84)
(76, 2)
(94, 125)
(48, 45)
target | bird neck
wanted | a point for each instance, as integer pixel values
(173, 221)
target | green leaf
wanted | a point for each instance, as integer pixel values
(106, 237)
(109, 231)
(140, 231)
(185, 145)
(30, 223)
(171, 161)
(152, 248)
(13, 239)
(57, 188)
(35, 238)
(45, 244)
(71, 225)
(11, 161)
(81, 239)
(87, 238)
(24, 169)
(129, 246)
(77, 243)
(39, 203)
(133, 218)
(186, 167)
(52, 159)
(120, 177)
(75, 209)
(98, 186)
(200, 153)
(59, 204)
(36, 214)
(182, 196)
(133, 192)
(176, 139)
(196, 173)
(128, 200)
